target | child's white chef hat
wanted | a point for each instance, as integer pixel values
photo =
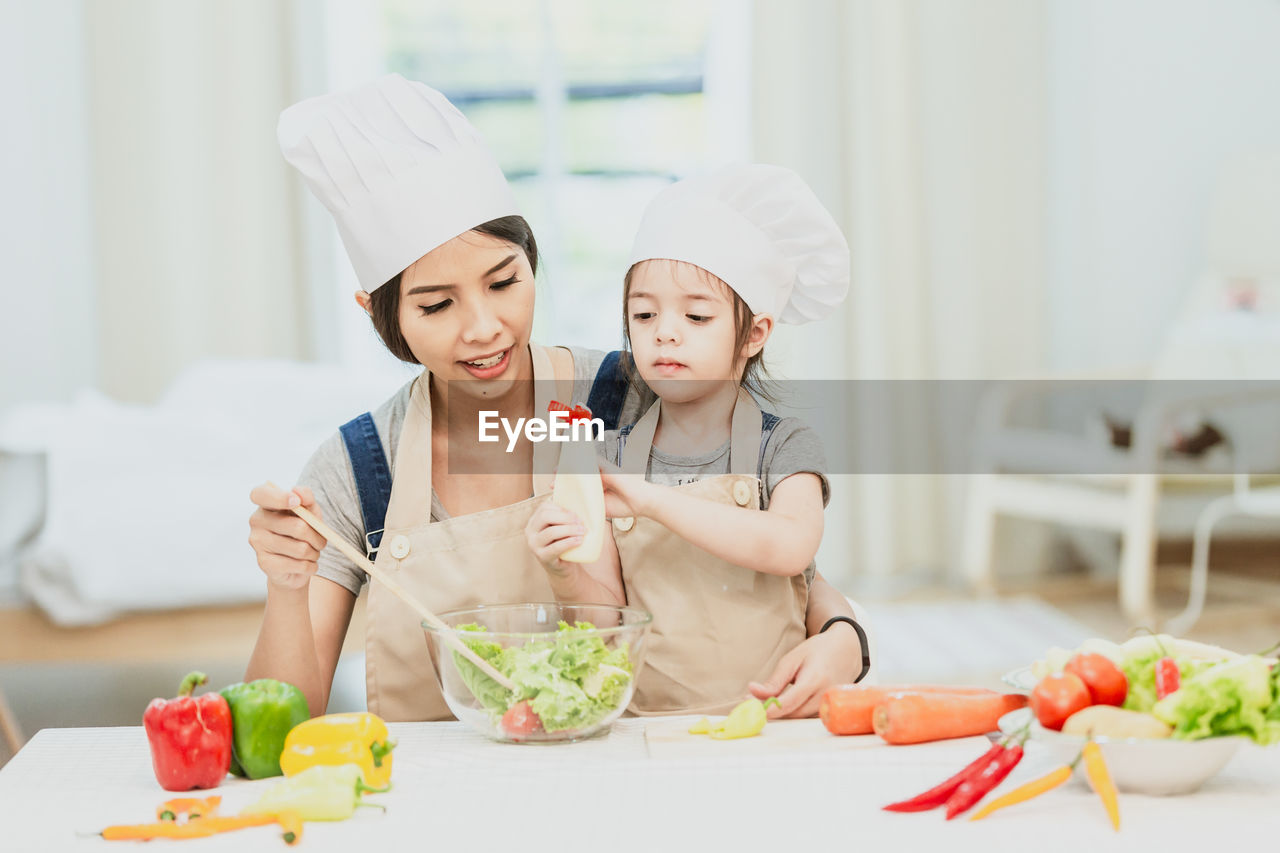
(401, 170)
(758, 228)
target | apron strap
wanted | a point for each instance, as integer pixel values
(546, 387)
(372, 473)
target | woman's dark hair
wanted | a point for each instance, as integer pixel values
(755, 376)
(384, 304)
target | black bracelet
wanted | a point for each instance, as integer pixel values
(862, 640)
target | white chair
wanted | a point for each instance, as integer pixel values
(1229, 328)
(1245, 499)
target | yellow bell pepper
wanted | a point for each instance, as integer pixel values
(360, 739)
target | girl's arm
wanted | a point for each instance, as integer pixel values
(781, 541)
(306, 617)
(551, 531)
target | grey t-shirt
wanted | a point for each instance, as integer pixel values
(791, 448)
(329, 476)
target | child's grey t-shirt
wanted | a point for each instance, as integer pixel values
(329, 476)
(792, 448)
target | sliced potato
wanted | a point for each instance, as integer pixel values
(1109, 721)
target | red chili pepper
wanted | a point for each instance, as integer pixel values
(1168, 678)
(190, 737)
(975, 787)
(938, 794)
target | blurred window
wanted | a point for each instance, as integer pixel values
(591, 107)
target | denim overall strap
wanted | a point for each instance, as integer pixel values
(373, 475)
(608, 390)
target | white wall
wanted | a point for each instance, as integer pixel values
(1147, 99)
(48, 323)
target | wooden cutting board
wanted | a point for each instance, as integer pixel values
(669, 737)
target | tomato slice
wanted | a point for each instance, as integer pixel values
(520, 720)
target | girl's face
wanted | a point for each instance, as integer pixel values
(466, 311)
(681, 323)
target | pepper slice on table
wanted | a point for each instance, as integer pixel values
(745, 720)
(191, 807)
(357, 738)
(190, 737)
(263, 712)
(317, 793)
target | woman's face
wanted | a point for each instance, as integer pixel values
(466, 311)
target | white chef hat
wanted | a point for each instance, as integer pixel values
(401, 170)
(758, 228)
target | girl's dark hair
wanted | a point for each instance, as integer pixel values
(384, 303)
(755, 376)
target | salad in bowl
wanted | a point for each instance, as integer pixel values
(1168, 713)
(573, 667)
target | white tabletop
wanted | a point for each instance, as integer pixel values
(454, 788)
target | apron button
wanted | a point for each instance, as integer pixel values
(741, 493)
(624, 524)
(400, 546)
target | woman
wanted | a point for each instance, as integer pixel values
(447, 270)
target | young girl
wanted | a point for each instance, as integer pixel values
(716, 507)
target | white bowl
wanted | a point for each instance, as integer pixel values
(1156, 766)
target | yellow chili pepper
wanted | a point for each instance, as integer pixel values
(360, 739)
(1095, 768)
(1026, 792)
(746, 720)
(702, 727)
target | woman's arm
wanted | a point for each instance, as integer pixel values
(306, 617)
(780, 541)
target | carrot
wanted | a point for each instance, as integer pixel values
(915, 718)
(846, 710)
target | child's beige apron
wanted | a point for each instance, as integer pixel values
(720, 625)
(481, 558)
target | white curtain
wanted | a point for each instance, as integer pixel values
(920, 123)
(194, 218)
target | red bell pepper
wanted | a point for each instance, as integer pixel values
(190, 737)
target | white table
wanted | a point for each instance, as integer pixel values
(453, 788)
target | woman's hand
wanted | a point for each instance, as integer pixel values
(551, 531)
(286, 546)
(626, 494)
(806, 672)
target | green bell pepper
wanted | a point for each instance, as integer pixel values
(262, 713)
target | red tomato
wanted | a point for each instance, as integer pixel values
(520, 720)
(1057, 697)
(1107, 684)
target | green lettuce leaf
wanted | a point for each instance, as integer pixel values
(571, 680)
(1140, 669)
(1230, 698)
(492, 695)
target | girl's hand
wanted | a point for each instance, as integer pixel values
(625, 494)
(551, 531)
(286, 546)
(809, 670)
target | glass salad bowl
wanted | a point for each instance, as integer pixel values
(1155, 766)
(574, 668)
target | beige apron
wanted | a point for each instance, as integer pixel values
(716, 626)
(481, 558)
